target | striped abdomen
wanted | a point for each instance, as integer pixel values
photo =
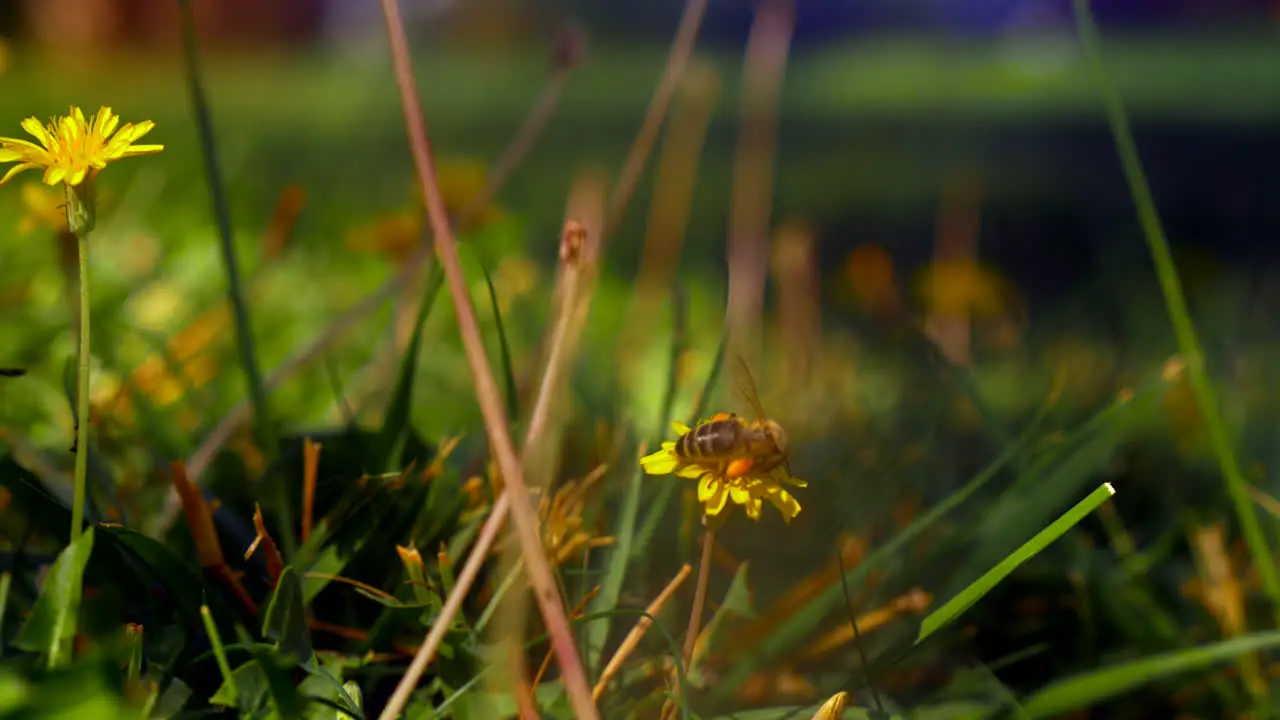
(715, 440)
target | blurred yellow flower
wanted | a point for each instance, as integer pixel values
(716, 490)
(72, 148)
(399, 233)
(564, 533)
(962, 288)
(41, 208)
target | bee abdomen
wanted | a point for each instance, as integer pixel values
(716, 439)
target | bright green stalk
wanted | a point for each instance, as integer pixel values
(82, 394)
(81, 217)
(1176, 306)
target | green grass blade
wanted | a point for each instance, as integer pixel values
(649, 528)
(6, 580)
(222, 214)
(956, 606)
(504, 347)
(1176, 306)
(51, 625)
(395, 424)
(804, 621)
(1080, 691)
(1053, 480)
(624, 536)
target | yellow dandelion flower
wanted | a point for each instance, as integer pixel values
(716, 490)
(73, 148)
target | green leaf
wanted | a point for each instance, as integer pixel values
(954, 607)
(284, 694)
(245, 689)
(166, 567)
(395, 425)
(1086, 689)
(52, 623)
(286, 618)
(171, 701)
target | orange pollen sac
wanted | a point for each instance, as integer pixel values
(738, 468)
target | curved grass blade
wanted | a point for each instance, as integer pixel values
(395, 425)
(956, 606)
(504, 347)
(222, 214)
(1081, 691)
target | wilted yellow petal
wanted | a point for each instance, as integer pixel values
(833, 709)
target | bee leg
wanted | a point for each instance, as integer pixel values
(738, 468)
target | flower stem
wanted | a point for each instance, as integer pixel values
(699, 595)
(695, 616)
(82, 393)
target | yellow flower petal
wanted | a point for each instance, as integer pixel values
(781, 499)
(679, 427)
(797, 482)
(713, 505)
(707, 487)
(72, 149)
(15, 170)
(659, 463)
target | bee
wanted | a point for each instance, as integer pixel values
(733, 446)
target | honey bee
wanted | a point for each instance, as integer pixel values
(733, 446)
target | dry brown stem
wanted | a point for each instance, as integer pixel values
(750, 205)
(545, 590)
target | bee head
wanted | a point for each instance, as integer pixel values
(777, 435)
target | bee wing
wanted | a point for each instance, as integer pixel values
(747, 386)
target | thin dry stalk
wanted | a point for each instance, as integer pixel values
(642, 146)
(763, 69)
(579, 259)
(956, 243)
(797, 280)
(520, 146)
(541, 578)
(633, 638)
(532, 127)
(695, 615)
(670, 208)
(310, 468)
(498, 514)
